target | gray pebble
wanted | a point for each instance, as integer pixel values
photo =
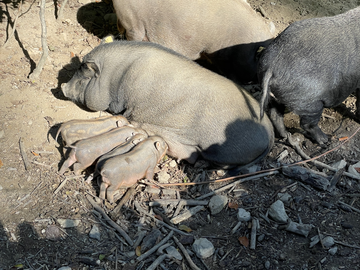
(68, 223)
(203, 248)
(277, 212)
(95, 233)
(267, 265)
(174, 252)
(328, 241)
(333, 250)
(243, 215)
(217, 203)
(352, 169)
(163, 177)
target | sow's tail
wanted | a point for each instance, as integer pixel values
(265, 92)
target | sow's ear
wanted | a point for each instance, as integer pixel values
(90, 69)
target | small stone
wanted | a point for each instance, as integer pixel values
(95, 233)
(68, 223)
(1, 187)
(217, 203)
(53, 233)
(203, 248)
(282, 257)
(30, 123)
(277, 212)
(243, 215)
(328, 241)
(1, 133)
(339, 164)
(220, 173)
(186, 239)
(174, 252)
(150, 240)
(65, 268)
(261, 237)
(285, 198)
(333, 250)
(173, 164)
(352, 169)
(163, 177)
(267, 265)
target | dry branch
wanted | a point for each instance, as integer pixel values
(186, 254)
(23, 154)
(45, 49)
(112, 223)
(14, 26)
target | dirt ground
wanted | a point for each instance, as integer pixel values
(31, 202)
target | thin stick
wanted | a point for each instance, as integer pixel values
(351, 207)
(14, 26)
(154, 248)
(235, 183)
(141, 210)
(40, 164)
(186, 254)
(254, 225)
(62, 9)
(158, 261)
(62, 184)
(112, 223)
(45, 49)
(23, 154)
(129, 192)
(185, 202)
(187, 214)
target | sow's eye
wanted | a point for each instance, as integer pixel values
(90, 69)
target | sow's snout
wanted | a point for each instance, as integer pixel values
(64, 89)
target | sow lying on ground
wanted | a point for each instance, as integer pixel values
(314, 63)
(196, 111)
(191, 27)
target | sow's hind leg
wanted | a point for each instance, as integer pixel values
(276, 115)
(309, 120)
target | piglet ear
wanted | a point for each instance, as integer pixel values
(90, 69)
(157, 145)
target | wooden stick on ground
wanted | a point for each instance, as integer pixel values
(186, 254)
(45, 49)
(23, 154)
(112, 223)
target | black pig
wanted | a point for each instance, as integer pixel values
(196, 111)
(314, 63)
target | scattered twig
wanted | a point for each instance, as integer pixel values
(226, 254)
(45, 49)
(61, 11)
(254, 225)
(187, 214)
(184, 202)
(141, 210)
(140, 237)
(236, 227)
(346, 245)
(154, 248)
(162, 215)
(128, 194)
(351, 207)
(40, 164)
(14, 25)
(186, 254)
(179, 206)
(335, 179)
(235, 183)
(160, 251)
(23, 154)
(297, 147)
(62, 184)
(158, 261)
(112, 223)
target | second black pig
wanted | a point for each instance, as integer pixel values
(196, 111)
(314, 63)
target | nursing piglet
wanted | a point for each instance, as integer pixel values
(125, 170)
(79, 129)
(85, 152)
